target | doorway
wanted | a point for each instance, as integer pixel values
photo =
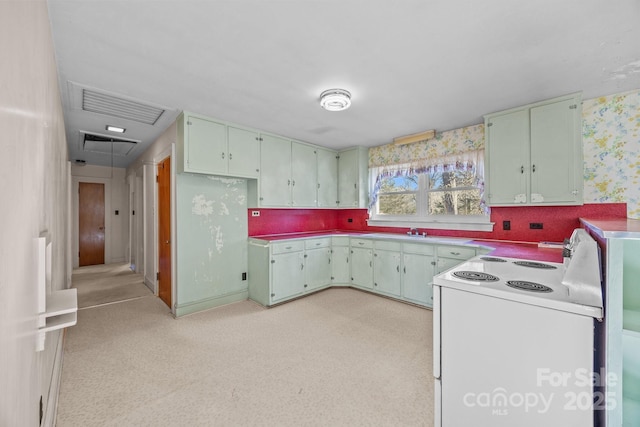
(164, 231)
(91, 230)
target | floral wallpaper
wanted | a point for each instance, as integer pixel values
(611, 139)
(445, 144)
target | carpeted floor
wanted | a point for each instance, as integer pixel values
(107, 283)
(340, 357)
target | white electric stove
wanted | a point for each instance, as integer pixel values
(514, 340)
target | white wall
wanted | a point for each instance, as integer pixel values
(147, 161)
(34, 185)
(116, 197)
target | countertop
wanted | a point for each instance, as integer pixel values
(522, 250)
(619, 228)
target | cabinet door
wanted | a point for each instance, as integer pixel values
(304, 174)
(287, 275)
(362, 267)
(275, 171)
(340, 265)
(317, 268)
(386, 272)
(244, 153)
(446, 263)
(417, 278)
(327, 178)
(508, 158)
(556, 155)
(206, 146)
(348, 179)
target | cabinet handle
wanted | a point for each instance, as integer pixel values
(361, 243)
(521, 169)
(534, 168)
(375, 284)
(223, 155)
(288, 182)
(404, 269)
(288, 247)
(230, 156)
(370, 264)
(301, 266)
(454, 253)
(318, 186)
(347, 260)
(305, 285)
(398, 268)
(355, 185)
(293, 182)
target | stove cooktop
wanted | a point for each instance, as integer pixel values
(525, 281)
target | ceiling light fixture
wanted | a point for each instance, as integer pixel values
(117, 129)
(416, 137)
(335, 99)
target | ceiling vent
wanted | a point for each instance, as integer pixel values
(103, 145)
(101, 103)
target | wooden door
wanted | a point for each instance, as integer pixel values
(164, 231)
(91, 223)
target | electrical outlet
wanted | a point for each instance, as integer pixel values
(535, 225)
(506, 225)
(255, 213)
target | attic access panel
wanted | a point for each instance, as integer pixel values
(102, 145)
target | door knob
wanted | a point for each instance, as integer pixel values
(101, 228)
(167, 242)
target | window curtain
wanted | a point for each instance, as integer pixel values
(466, 161)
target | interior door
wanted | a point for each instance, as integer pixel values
(164, 231)
(91, 223)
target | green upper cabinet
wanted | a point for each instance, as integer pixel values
(275, 172)
(244, 152)
(210, 147)
(327, 178)
(304, 175)
(353, 170)
(202, 145)
(534, 154)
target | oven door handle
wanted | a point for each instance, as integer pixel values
(436, 331)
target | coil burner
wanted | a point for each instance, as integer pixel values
(476, 276)
(528, 286)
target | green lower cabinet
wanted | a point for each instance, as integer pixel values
(340, 265)
(386, 272)
(317, 268)
(418, 271)
(287, 276)
(362, 267)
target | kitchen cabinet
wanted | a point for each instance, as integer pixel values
(386, 267)
(207, 146)
(287, 273)
(534, 154)
(288, 173)
(327, 178)
(244, 152)
(362, 263)
(450, 256)
(353, 171)
(340, 266)
(620, 246)
(275, 172)
(304, 175)
(317, 260)
(202, 145)
(418, 268)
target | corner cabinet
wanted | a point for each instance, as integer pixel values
(533, 154)
(207, 146)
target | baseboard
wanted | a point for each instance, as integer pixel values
(51, 410)
(192, 307)
(149, 284)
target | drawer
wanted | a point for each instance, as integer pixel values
(361, 243)
(415, 248)
(325, 242)
(340, 240)
(288, 246)
(386, 245)
(456, 252)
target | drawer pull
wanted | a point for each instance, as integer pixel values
(361, 243)
(288, 247)
(454, 253)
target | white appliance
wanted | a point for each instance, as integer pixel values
(513, 344)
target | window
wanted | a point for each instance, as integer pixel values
(445, 195)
